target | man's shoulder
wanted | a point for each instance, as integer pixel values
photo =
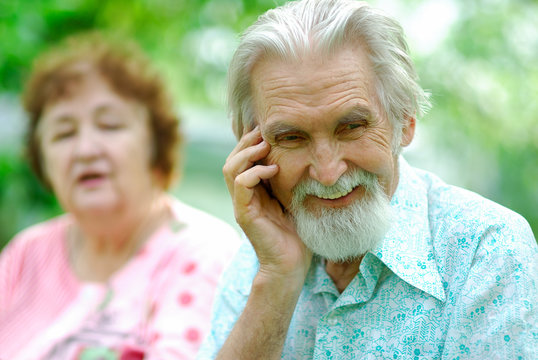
(474, 239)
(237, 278)
(465, 223)
(451, 206)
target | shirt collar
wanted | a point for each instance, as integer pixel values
(360, 289)
(407, 248)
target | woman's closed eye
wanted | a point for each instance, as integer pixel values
(110, 118)
(110, 123)
(63, 134)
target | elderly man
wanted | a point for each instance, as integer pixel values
(354, 254)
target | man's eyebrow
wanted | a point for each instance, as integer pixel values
(357, 113)
(273, 130)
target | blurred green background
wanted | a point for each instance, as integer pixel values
(479, 59)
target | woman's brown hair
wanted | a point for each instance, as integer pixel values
(127, 70)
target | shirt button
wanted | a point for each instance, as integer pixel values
(332, 321)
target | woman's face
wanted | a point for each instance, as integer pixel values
(96, 149)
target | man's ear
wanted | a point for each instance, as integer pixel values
(408, 131)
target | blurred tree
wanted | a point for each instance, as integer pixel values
(191, 40)
(479, 59)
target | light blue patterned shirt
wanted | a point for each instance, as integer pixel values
(455, 278)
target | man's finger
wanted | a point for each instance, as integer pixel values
(247, 140)
(242, 161)
(245, 183)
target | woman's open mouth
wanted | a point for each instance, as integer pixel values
(91, 179)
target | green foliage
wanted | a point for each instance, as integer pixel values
(23, 200)
(190, 40)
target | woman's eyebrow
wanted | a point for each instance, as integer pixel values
(54, 124)
(61, 119)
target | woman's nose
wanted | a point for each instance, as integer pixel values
(87, 145)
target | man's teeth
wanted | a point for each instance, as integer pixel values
(333, 196)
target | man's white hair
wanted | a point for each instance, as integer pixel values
(322, 27)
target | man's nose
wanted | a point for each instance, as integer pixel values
(328, 164)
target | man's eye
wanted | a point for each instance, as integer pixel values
(353, 128)
(289, 140)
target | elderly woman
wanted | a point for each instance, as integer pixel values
(128, 271)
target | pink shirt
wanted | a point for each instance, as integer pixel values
(156, 307)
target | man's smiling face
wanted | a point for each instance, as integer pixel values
(323, 119)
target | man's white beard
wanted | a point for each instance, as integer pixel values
(343, 234)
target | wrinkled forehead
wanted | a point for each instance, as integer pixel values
(329, 64)
(314, 81)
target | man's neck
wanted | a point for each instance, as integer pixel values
(343, 272)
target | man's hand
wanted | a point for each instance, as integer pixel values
(279, 249)
(260, 331)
